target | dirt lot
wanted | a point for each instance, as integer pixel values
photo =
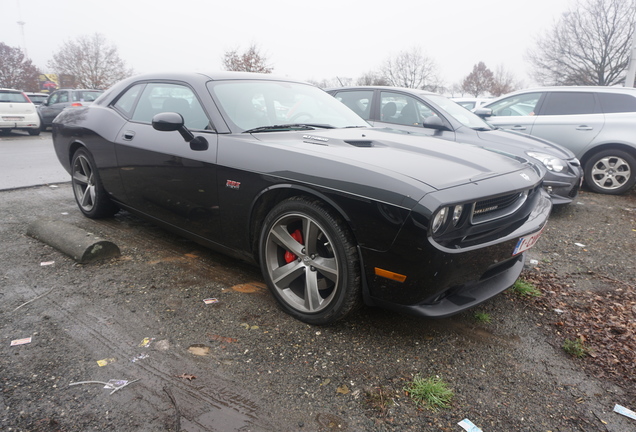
(241, 364)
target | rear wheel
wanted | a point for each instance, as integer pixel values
(34, 132)
(610, 172)
(310, 262)
(89, 193)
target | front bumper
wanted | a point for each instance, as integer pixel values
(564, 187)
(439, 281)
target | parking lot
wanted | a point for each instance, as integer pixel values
(238, 363)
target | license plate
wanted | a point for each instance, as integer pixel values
(12, 118)
(527, 242)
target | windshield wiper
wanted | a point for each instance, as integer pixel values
(291, 126)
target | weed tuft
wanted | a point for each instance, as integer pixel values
(575, 348)
(483, 317)
(525, 289)
(432, 392)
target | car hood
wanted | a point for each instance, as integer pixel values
(440, 164)
(524, 143)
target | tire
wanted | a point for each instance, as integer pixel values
(89, 193)
(34, 132)
(310, 262)
(610, 172)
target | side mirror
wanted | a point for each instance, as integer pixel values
(172, 121)
(483, 112)
(434, 122)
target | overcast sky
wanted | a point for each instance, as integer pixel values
(304, 40)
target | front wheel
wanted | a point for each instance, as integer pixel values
(89, 193)
(310, 262)
(610, 172)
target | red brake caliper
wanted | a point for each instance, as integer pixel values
(298, 236)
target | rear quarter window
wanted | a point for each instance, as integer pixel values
(617, 103)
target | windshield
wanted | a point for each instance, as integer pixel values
(459, 113)
(259, 105)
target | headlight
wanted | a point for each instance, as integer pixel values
(439, 219)
(552, 163)
(457, 214)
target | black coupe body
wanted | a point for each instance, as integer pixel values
(279, 173)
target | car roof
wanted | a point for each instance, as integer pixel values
(603, 89)
(389, 88)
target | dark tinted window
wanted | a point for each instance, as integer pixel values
(616, 103)
(568, 103)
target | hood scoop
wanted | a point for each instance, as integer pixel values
(360, 143)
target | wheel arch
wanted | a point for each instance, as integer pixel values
(268, 198)
(72, 148)
(608, 146)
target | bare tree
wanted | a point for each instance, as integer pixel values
(91, 62)
(479, 81)
(589, 45)
(412, 69)
(251, 60)
(372, 79)
(504, 82)
(17, 71)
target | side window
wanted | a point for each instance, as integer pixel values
(401, 109)
(359, 101)
(55, 98)
(518, 105)
(126, 101)
(63, 97)
(617, 103)
(162, 97)
(569, 103)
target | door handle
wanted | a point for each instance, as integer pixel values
(129, 135)
(584, 128)
(518, 127)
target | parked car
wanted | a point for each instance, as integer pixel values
(335, 212)
(425, 113)
(37, 98)
(64, 98)
(597, 123)
(471, 103)
(17, 112)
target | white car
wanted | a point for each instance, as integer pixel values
(17, 112)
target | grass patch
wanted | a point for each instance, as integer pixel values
(575, 348)
(483, 317)
(432, 392)
(525, 289)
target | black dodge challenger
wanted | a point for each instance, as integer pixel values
(279, 173)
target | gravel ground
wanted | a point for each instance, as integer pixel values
(241, 364)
